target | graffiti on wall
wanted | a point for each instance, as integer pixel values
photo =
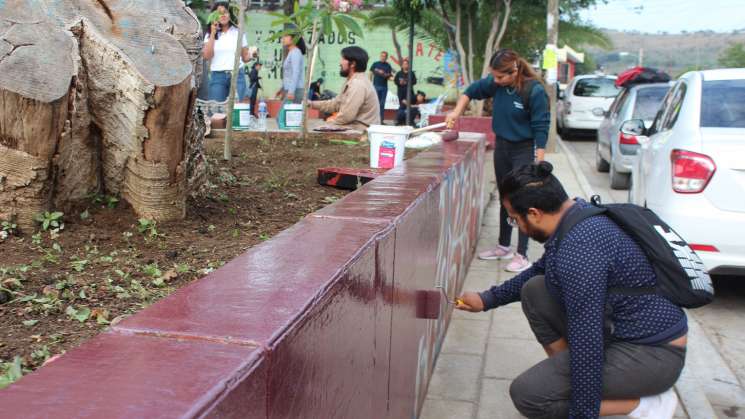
(460, 210)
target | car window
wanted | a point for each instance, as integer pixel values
(663, 109)
(675, 105)
(596, 87)
(648, 101)
(671, 108)
(723, 104)
(618, 102)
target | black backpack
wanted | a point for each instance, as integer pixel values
(681, 276)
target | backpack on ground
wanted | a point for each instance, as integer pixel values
(681, 276)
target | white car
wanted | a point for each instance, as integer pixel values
(691, 165)
(585, 101)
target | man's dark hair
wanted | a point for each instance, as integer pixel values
(356, 55)
(533, 186)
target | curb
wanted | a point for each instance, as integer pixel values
(690, 393)
(584, 184)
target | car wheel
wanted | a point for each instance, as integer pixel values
(618, 180)
(600, 164)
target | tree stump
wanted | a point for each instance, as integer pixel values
(98, 96)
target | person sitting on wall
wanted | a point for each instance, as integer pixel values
(357, 105)
(420, 99)
(314, 93)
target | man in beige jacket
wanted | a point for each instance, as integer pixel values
(357, 105)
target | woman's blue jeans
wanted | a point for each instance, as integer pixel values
(219, 87)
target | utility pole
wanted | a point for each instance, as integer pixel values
(409, 77)
(641, 57)
(552, 29)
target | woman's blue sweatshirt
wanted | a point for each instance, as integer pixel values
(510, 120)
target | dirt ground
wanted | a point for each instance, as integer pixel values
(105, 264)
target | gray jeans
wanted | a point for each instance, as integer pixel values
(630, 371)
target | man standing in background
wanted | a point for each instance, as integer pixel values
(382, 72)
(402, 84)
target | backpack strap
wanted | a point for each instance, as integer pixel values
(573, 217)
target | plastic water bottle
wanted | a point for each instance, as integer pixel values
(262, 115)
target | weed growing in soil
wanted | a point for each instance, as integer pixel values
(49, 220)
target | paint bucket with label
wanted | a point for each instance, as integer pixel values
(387, 145)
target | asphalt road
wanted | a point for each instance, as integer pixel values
(724, 320)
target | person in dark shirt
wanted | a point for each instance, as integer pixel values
(520, 120)
(314, 93)
(402, 83)
(381, 72)
(609, 353)
(420, 99)
(254, 85)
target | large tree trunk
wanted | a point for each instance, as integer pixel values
(97, 95)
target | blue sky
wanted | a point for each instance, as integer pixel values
(672, 16)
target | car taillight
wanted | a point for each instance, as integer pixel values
(691, 171)
(703, 247)
(627, 139)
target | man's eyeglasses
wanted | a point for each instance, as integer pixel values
(512, 221)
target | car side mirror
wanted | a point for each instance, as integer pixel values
(634, 127)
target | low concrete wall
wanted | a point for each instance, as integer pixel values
(319, 322)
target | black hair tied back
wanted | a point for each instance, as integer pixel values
(542, 170)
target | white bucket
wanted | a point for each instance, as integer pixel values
(293, 115)
(387, 145)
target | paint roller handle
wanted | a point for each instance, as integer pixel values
(427, 128)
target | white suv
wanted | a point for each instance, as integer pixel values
(691, 165)
(585, 101)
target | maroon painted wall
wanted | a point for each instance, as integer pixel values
(319, 322)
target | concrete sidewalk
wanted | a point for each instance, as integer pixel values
(484, 352)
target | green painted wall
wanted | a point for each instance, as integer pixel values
(429, 60)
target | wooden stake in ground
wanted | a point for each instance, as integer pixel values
(97, 96)
(227, 154)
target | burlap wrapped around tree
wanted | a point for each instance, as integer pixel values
(98, 96)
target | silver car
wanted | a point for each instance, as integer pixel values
(615, 152)
(691, 165)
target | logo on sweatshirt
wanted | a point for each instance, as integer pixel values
(518, 105)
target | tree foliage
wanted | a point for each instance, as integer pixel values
(733, 56)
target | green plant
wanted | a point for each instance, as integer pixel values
(80, 314)
(36, 239)
(79, 264)
(11, 372)
(111, 201)
(152, 270)
(49, 219)
(9, 227)
(147, 227)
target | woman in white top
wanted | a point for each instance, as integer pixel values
(293, 70)
(219, 48)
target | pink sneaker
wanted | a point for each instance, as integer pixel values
(519, 263)
(498, 253)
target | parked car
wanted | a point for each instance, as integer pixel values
(584, 102)
(615, 152)
(691, 166)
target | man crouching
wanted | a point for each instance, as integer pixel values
(609, 353)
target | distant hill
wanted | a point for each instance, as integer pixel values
(674, 53)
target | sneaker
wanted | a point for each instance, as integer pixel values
(519, 263)
(660, 406)
(499, 253)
